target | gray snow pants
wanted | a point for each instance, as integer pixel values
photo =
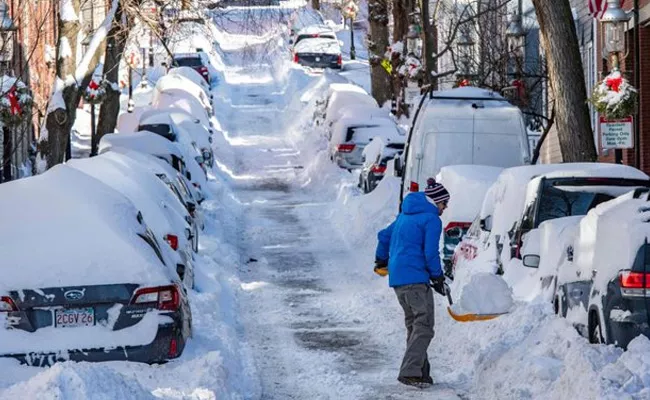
(417, 302)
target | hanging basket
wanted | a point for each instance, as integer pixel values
(16, 101)
(95, 92)
(614, 98)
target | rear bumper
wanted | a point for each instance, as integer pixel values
(346, 162)
(623, 330)
(158, 351)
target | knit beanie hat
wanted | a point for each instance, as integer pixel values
(436, 191)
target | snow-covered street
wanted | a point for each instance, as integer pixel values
(285, 304)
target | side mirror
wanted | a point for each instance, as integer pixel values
(454, 233)
(486, 223)
(531, 261)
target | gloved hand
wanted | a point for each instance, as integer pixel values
(381, 267)
(439, 285)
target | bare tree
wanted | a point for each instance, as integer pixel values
(567, 80)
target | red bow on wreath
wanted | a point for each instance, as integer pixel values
(93, 86)
(614, 83)
(13, 101)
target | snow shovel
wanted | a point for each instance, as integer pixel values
(467, 317)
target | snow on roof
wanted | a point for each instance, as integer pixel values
(345, 87)
(318, 46)
(85, 233)
(610, 237)
(175, 82)
(143, 141)
(155, 116)
(467, 185)
(341, 100)
(128, 121)
(147, 192)
(315, 29)
(192, 75)
(187, 103)
(469, 92)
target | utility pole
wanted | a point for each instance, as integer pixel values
(353, 53)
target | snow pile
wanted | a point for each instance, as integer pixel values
(485, 293)
(467, 185)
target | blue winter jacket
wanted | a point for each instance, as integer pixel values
(412, 242)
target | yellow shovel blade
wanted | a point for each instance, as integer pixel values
(471, 317)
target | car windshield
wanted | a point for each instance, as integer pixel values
(560, 198)
(188, 62)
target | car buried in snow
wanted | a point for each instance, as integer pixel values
(155, 145)
(603, 279)
(375, 162)
(197, 61)
(318, 52)
(98, 287)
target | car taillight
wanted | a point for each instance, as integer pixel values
(204, 70)
(295, 58)
(173, 348)
(172, 240)
(461, 225)
(163, 297)
(378, 169)
(634, 284)
(7, 304)
(339, 61)
(414, 187)
(346, 148)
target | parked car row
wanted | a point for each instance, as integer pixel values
(544, 226)
(115, 285)
(313, 43)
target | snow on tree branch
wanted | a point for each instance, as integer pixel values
(98, 38)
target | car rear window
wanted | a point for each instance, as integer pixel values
(188, 62)
(163, 130)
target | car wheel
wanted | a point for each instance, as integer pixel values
(595, 330)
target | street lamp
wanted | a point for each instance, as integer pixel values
(614, 20)
(465, 45)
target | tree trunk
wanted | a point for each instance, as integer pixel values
(315, 4)
(400, 20)
(430, 44)
(380, 79)
(115, 44)
(567, 79)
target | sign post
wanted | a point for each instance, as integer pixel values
(617, 134)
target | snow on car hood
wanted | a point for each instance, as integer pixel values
(318, 46)
(69, 229)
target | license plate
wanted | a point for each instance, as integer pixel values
(74, 317)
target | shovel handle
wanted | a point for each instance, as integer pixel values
(451, 302)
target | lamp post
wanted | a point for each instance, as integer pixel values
(465, 45)
(7, 30)
(614, 20)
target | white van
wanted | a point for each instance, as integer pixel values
(463, 126)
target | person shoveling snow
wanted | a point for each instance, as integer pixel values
(408, 250)
(485, 296)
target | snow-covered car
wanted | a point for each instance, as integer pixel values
(187, 103)
(314, 31)
(150, 143)
(571, 190)
(197, 61)
(604, 279)
(462, 126)
(467, 185)
(318, 52)
(351, 135)
(376, 156)
(157, 204)
(175, 181)
(178, 86)
(191, 74)
(341, 97)
(99, 287)
(178, 126)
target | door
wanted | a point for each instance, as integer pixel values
(498, 134)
